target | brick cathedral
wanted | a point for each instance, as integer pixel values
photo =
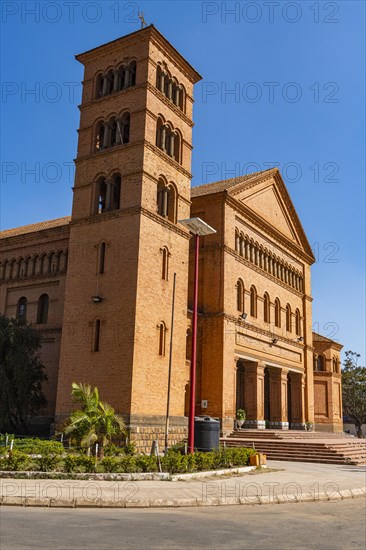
(98, 284)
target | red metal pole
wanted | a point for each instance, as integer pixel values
(192, 393)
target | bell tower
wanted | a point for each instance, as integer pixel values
(132, 184)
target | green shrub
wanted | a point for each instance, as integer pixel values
(113, 450)
(146, 463)
(17, 462)
(204, 461)
(110, 464)
(48, 462)
(79, 464)
(37, 446)
(174, 462)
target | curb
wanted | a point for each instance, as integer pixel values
(142, 476)
(335, 496)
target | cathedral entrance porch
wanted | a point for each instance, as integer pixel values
(272, 397)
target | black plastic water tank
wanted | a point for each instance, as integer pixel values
(206, 433)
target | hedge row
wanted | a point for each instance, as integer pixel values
(173, 462)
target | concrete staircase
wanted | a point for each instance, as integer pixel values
(301, 446)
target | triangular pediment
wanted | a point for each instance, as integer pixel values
(266, 195)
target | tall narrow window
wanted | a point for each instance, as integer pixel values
(162, 199)
(96, 341)
(288, 318)
(171, 203)
(42, 311)
(101, 196)
(116, 193)
(165, 263)
(253, 302)
(22, 309)
(162, 333)
(320, 363)
(298, 323)
(266, 308)
(240, 296)
(277, 313)
(101, 258)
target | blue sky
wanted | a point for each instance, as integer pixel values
(282, 84)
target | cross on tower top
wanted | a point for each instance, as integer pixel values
(142, 19)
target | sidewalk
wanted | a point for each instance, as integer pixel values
(293, 482)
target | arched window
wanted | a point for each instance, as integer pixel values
(288, 318)
(298, 322)
(277, 313)
(162, 334)
(253, 301)
(22, 309)
(98, 85)
(160, 134)
(100, 196)
(335, 364)
(266, 309)
(162, 199)
(177, 147)
(123, 129)
(101, 258)
(42, 311)
(320, 363)
(100, 136)
(240, 296)
(96, 336)
(132, 69)
(237, 241)
(115, 195)
(165, 263)
(171, 203)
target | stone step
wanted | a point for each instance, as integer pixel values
(334, 450)
(318, 452)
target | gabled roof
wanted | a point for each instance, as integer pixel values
(223, 185)
(242, 190)
(41, 226)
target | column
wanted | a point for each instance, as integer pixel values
(170, 90)
(278, 399)
(165, 202)
(176, 98)
(162, 137)
(31, 266)
(297, 381)
(171, 145)
(105, 85)
(254, 395)
(126, 81)
(16, 269)
(116, 81)
(162, 82)
(108, 200)
(106, 136)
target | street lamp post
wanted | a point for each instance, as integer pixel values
(198, 228)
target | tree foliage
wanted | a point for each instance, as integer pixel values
(21, 374)
(354, 391)
(95, 421)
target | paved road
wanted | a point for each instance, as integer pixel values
(321, 526)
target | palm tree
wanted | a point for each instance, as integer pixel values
(95, 422)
